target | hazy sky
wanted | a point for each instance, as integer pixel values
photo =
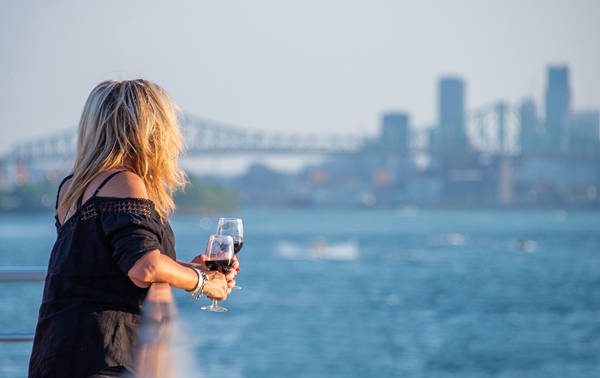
(289, 65)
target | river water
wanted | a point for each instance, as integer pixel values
(373, 293)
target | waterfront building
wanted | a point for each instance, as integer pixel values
(395, 131)
(529, 136)
(584, 134)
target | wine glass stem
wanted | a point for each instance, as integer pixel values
(214, 304)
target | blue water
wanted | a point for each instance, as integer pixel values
(431, 294)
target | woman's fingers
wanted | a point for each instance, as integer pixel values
(200, 261)
(230, 276)
(216, 286)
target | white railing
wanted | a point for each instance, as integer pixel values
(21, 274)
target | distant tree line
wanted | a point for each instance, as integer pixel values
(201, 196)
(198, 196)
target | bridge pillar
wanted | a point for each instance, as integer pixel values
(505, 181)
(501, 113)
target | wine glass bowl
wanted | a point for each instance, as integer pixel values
(219, 256)
(234, 228)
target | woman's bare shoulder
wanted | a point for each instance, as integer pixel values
(124, 184)
(61, 193)
(64, 187)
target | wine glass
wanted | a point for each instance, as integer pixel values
(219, 256)
(234, 228)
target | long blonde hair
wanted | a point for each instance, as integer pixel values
(129, 124)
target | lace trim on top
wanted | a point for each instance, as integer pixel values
(137, 206)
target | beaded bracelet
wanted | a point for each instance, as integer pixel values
(196, 293)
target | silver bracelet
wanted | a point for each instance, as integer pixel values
(196, 293)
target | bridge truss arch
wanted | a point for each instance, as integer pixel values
(491, 129)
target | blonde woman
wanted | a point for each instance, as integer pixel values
(113, 235)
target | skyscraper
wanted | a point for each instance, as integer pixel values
(394, 131)
(451, 115)
(558, 98)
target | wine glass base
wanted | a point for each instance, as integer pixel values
(214, 308)
(236, 288)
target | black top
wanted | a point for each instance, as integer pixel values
(90, 309)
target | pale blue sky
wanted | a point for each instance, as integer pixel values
(300, 66)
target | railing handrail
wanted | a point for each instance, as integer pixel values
(22, 274)
(15, 337)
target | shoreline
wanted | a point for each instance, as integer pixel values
(406, 209)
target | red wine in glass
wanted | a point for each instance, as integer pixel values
(234, 228)
(218, 265)
(237, 246)
(219, 256)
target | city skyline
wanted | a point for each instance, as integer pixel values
(554, 161)
(449, 133)
(259, 66)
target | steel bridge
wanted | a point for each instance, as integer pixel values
(491, 129)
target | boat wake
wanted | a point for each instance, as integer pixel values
(318, 250)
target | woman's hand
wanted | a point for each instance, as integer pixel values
(216, 286)
(198, 261)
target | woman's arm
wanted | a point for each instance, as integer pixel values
(155, 267)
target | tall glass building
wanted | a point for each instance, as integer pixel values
(451, 115)
(558, 98)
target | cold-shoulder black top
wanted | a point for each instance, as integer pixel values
(90, 309)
